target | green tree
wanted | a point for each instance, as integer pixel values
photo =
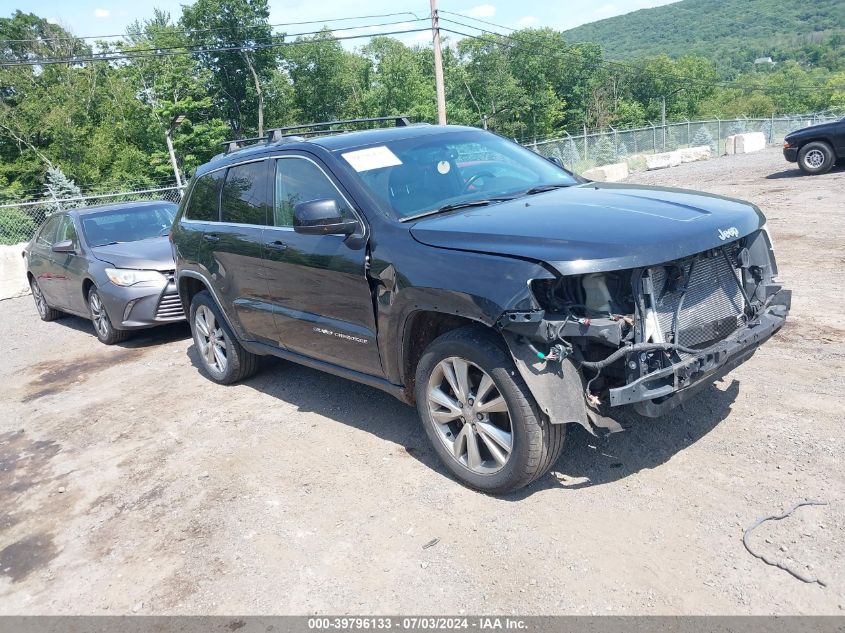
(236, 77)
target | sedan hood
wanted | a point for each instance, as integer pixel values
(150, 254)
(596, 227)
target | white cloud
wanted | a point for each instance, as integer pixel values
(102, 13)
(526, 21)
(480, 11)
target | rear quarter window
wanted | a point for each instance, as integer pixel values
(204, 204)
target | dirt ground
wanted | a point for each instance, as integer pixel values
(131, 484)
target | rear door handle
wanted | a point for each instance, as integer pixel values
(278, 245)
(210, 237)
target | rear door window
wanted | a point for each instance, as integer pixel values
(246, 197)
(204, 205)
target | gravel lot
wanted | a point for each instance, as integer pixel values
(129, 483)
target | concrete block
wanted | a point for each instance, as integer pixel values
(745, 143)
(662, 160)
(608, 173)
(692, 154)
(13, 281)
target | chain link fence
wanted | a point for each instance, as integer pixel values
(583, 151)
(19, 221)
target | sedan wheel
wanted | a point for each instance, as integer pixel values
(212, 342)
(470, 415)
(44, 310)
(103, 327)
(98, 315)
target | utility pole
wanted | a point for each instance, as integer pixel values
(438, 65)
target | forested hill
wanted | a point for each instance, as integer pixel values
(730, 32)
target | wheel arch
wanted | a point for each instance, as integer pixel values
(817, 139)
(189, 283)
(421, 327)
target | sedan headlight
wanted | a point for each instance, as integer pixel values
(130, 277)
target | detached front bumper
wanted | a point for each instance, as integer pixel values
(674, 384)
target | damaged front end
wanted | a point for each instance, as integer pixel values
(645, 337)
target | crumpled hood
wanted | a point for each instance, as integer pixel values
(151, 254)
(596, 227)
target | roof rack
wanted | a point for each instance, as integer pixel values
(275, 135)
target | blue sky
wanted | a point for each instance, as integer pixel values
(99, 17)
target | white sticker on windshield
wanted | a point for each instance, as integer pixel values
(443, 167)
(372, 158)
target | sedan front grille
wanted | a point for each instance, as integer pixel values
(170, 307)
(712, 308)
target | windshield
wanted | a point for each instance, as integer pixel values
(128, 224)
(413, 177)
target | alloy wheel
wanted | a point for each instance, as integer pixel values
(814, 158)
(470, 415)
(98, 314)
(212, 342)
(40, 302)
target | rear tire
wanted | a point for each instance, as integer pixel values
(490, 407)
(222, 358)
(816, 158)
(103, 328)
(44, 310)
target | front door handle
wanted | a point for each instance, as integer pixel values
(278, 245)
(210, 237)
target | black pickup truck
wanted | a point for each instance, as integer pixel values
(463, 273)
(816, 148)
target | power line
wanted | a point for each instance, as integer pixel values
(130, 55)
(467, 17)
(190, 48)
(260, 26)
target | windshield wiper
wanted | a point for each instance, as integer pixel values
(543, 189)
(458, 205)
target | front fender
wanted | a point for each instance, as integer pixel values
(474, 286)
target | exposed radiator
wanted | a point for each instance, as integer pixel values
(713, 305)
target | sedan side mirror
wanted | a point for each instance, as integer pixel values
(65, 246)
(556, 161)
(321, 217)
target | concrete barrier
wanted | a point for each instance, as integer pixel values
(692, 154)
(608, 173)
(662, 160)
(745, 143)
(13, 281)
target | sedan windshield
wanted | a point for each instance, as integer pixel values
(443, 172)
(128, 224)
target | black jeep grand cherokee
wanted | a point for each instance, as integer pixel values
(460, 271)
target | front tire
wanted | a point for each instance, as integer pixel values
(479, 414)
(44, 310)
(816, 158)
(222, 358)
(103, 328)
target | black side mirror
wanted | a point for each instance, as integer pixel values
(556, 161)
(65, 246)
(321, 217)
